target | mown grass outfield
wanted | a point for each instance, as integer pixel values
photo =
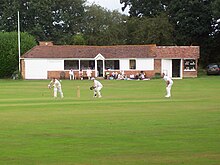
(133, 124)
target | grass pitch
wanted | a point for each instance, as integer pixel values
(133, 124)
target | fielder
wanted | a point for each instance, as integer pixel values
(169, 83)
(56, 87)
(97, 86)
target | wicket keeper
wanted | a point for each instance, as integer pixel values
(97, 86)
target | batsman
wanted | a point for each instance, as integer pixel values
(56, 87)
(97, 86)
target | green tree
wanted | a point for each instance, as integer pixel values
(78, 39)
(216, 9)
(9, 51)
(8, 15)
(146, 30)
(103, 27)
(215, 52)
(149, 8)
(45, 19)
(192, 20)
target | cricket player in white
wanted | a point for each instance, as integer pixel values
(71, 73)
(56, 87)
(169, 83)
(97, 87)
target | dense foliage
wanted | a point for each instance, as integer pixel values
(9, 51)
(103, 27)
(62, 22)
(45, 19)
(147, 30)
(161, 22)
(195, 22)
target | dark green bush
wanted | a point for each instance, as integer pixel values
(16, 75)
(157, 76)
(9, 51)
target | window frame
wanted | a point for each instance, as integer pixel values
(88, 64)
(132, 66)
(76, 67)
(114, 65)
(189, 64)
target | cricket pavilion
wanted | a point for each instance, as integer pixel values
(47, 60)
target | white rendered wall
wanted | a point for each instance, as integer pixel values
(124, 64)
(145, 64)
(54, 65)
(141, 64)
(166, 67)
(37, 68)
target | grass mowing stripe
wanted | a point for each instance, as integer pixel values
(11, 104)
(131, 124)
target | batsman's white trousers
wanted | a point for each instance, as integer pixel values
(59, 89)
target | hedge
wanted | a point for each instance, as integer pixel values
(9, 51)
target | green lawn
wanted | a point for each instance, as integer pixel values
(133, 124)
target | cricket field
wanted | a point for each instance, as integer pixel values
(132, 124)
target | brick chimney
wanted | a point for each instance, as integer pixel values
(45, 43)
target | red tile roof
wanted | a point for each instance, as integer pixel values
(119, 51)
(178, 52)
(122, 51)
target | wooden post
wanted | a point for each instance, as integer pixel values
(78, 92)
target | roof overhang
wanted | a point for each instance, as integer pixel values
(99, 57)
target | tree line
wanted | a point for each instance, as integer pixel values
(161, 22)
(194, 22)
(9, 51)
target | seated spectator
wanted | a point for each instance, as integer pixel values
(116, 75)
(113, 75)
(132, 76)
(107, 75)
(122, 72)
(142, 75)
(137, 75)
(120, 77)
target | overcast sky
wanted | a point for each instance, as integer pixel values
(109, 4)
